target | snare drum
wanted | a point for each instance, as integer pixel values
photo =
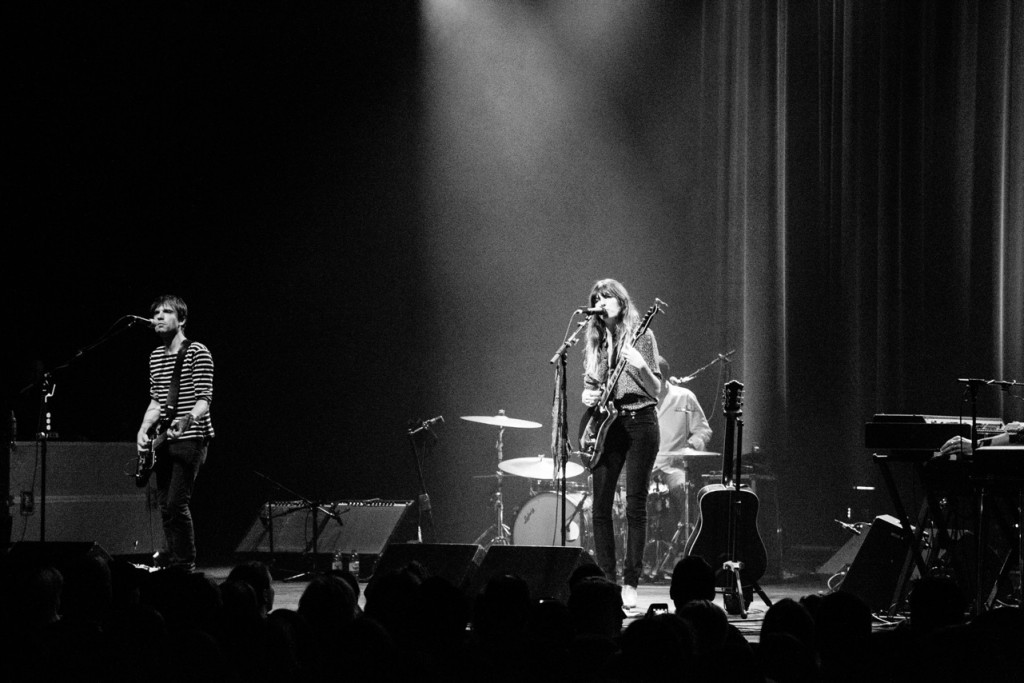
(537, 520)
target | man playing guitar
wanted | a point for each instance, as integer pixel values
(182, 428)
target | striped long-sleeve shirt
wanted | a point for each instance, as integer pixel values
(196, 383)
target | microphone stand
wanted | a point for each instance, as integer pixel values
(423, 501)
(313, 548)
(559, 426)
(724, 357)
(47, 387)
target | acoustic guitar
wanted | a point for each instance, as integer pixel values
(726, 534)
(599, 417)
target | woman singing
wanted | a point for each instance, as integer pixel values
(632, 439)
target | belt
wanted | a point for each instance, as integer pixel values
(638, 411)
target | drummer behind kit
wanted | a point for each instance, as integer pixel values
(536, 520)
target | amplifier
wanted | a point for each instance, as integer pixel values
(360, 526)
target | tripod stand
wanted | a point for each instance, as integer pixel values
(667, 552)
(502, 534)
(501, 531)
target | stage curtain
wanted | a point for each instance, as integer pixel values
(864, 168)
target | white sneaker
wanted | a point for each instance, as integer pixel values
(629, 597)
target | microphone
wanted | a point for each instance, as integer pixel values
(679, 381)
(140, 319)
(599, 310)
(417, 426)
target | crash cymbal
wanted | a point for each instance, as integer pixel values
(686, 452)
(538, 468)
(501, 421)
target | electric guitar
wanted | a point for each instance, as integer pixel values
(726, 534)
(147, 456)
(598, 418)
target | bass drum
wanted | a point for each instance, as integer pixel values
(537, 520)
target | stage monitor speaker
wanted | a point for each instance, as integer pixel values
(875, 570)
(361, 526)
(546, 569)
(455, 562)
(843, 557)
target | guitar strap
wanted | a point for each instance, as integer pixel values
(614, 353)
(170, 409)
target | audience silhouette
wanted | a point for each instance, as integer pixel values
(103, 617)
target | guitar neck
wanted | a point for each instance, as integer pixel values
(733, 434)
(738, 464)
(727, 451)
(620, 364)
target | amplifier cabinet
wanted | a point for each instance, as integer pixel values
(90, 496)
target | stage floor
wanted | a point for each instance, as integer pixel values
(287, 594)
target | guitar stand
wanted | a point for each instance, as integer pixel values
(735, 602)
(735, 595)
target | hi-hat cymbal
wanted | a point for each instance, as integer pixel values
(685, 452)
(538, 468)
(501, 421)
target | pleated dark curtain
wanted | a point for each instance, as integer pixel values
(865, 168)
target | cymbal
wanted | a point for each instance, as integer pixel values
(537, 468)
(685, 452)
(501, 421)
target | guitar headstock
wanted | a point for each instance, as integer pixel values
(657, 307)
(733, 396)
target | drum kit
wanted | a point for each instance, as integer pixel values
(537, 519)
(663, 515)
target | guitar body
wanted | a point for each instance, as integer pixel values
(727, 531)
(147, 457)
(726, 535)
(593, 429)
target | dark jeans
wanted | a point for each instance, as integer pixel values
(632, 442)
(177, 465)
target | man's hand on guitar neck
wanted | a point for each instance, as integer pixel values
(591, 397)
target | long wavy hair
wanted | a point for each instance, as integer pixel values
(597, 329)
